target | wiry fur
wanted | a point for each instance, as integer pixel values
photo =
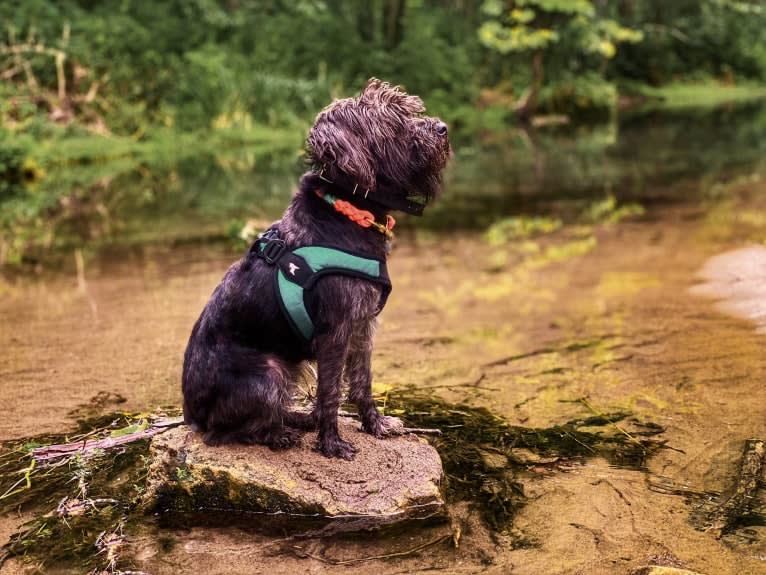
(242, 360)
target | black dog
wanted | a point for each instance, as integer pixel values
(283, 304)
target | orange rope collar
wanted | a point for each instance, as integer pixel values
(360, 217)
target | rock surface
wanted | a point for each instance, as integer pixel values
(389, 481)
(738, 280)
(659, 570)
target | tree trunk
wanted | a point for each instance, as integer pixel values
(365, 21)
(529, 106)
(393, 16)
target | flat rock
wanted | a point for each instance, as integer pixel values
(659, 570)
(389, 481)
(737, 279)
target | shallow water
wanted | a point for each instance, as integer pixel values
(597, 307)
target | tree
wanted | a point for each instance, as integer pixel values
(393, 17)
(538, 27)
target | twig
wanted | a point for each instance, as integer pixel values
(374, 557)
(571, 347)
(585, 402)
(421, 431)
(26, 479)
(51, 452)
(511, 358)
(573, 438)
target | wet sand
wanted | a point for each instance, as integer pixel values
(525, 330)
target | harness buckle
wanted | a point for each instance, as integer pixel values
(272, 250)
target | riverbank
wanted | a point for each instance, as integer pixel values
(60, 146)
(689, 95)
(158, 147)
(100, 195)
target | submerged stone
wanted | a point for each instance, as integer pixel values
(389, 481)
(659, 570)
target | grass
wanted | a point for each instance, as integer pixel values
(161, 146)
(703, 94)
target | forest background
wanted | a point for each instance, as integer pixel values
(90, 81)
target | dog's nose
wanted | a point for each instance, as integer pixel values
(441, 129)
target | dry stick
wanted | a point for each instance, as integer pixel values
(722, 519)
(599, 414)
(51, 452)
(66, 449)
(421, 431)
(26, 479)
(511, 358)
(373, 557)
(401, 431)
(575, 346)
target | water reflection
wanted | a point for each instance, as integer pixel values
(645, 158)
(556, 170)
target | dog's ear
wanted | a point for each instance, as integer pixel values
(335, 148)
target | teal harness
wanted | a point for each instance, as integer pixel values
(298, 269)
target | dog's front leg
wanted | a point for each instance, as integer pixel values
(331, 356)
(359, 374)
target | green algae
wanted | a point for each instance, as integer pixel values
(486, 459)
(76, 503)
(508, 229)
(614, 283)
(193, 490)
(81, 503)
(607, 211)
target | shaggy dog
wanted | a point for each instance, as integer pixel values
(370, 155)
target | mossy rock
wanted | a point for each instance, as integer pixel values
(390, 481)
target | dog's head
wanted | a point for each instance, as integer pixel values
(382, 144)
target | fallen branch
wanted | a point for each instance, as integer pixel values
(421, 431)
(724, 517)
(597, 413)
(52, 452)
(401, 430)
(441, 539)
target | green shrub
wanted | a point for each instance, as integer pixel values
(16, 169)
(586, 97)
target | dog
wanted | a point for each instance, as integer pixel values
(288, 302)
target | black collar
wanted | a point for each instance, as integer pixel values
(350, 191)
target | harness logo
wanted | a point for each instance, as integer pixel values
(293, 269)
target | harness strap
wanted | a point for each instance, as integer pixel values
(298, 270)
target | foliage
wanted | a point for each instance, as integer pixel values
(127, 66)
(15, 167)
(586, 96)
(195, 64)
(687, 38)
(540, 24)
(147, 84)
(607, 211)
(568, 37)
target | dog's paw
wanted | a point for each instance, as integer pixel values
(336, 447)
(384, 426)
